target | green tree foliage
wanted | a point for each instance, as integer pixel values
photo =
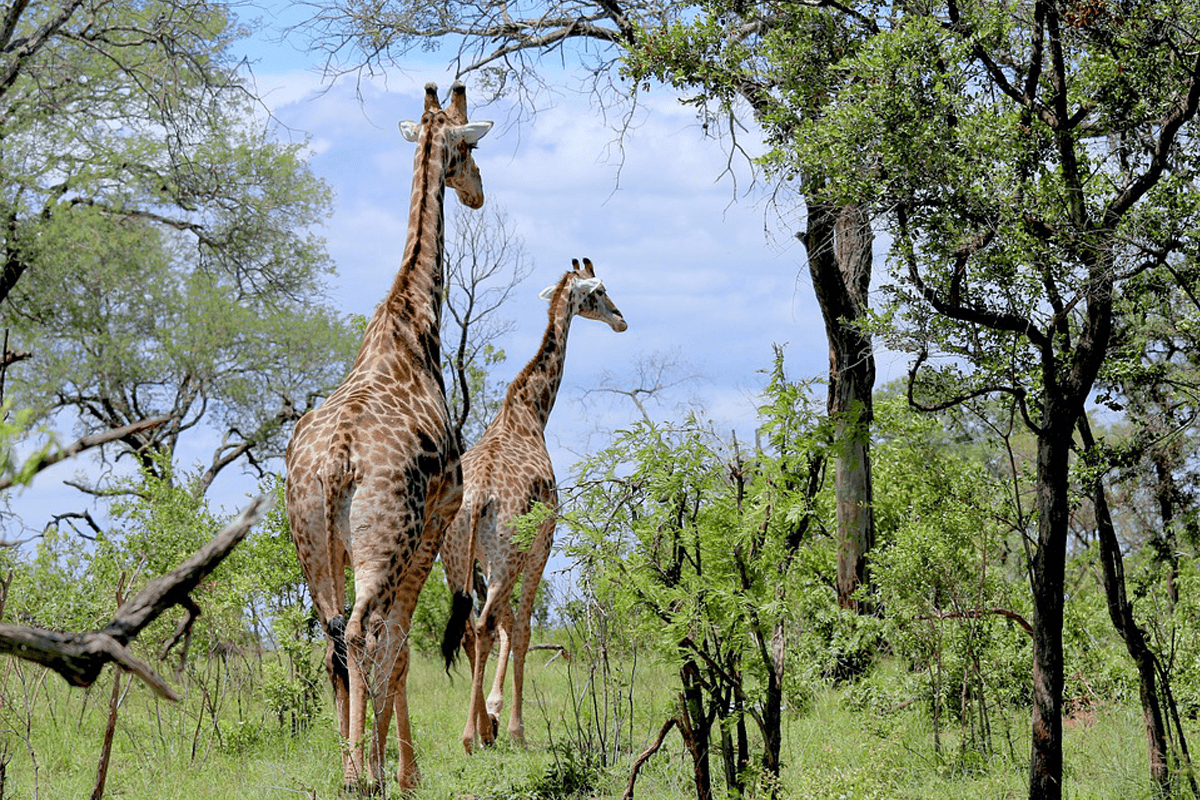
(156, 241)
(955, 609)
(136, 109)
(1032, 164)
(698, 547)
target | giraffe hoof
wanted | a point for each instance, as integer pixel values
(495, 721)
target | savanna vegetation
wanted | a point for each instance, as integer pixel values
(980, 580)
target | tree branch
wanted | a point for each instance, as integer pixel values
(645, 756)
(85, 443)
(79, 657)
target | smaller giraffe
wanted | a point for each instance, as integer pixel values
(505, 475)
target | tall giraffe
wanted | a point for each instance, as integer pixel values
(373, 474)
(504, 475)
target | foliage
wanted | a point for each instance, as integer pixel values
(527, 526)
(15, 426)
(431, 613)
(136, 111)
(294, 683)
(158, 246)
(694, 545)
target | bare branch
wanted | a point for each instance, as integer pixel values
(645, 756)
(79, 657)
(980, 613)
(85, 443)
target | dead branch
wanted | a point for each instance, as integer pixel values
(79, 657)
(562, 651)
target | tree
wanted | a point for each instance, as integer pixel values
(1148, 462)
(1038, 161)
(954, 607)
(136, 110)
(485, 261)
(156, 244)
(651, 379)
(694, 544)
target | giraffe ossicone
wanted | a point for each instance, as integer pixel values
(506, 475)
(374, 474)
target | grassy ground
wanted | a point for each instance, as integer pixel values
(52, 735)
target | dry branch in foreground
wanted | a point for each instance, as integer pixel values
(79, 657)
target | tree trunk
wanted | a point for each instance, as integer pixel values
(773, 709)
(1047, 578)
(1120, 610)
(838, 242)
(696, 730)
(1167, 493)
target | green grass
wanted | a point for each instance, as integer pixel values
(164, 751)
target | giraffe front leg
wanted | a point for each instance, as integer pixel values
(520, 647)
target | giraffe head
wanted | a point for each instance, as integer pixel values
(459, 138)
(587, 297)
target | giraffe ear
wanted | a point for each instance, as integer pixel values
(589, 285)
(471, 133)
(410, 129)
(547, 293)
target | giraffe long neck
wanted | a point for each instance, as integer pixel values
(535, 388)
(414, 301)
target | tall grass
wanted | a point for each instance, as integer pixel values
(221, 741)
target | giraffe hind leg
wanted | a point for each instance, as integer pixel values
(495, 700)
(521, 633)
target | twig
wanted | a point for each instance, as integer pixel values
(645, 756)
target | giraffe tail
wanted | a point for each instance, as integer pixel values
(337, 632)
(461, 606)
(331, 478)
(460, 615)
